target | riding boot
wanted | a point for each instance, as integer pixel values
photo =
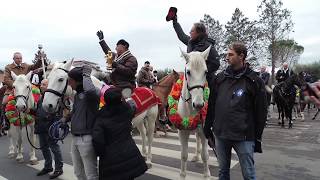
(132, 104)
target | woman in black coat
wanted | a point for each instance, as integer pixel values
(120, 158)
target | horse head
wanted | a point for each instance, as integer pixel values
(297, 79)
(57, 86)
(195, 77)
(22, 91)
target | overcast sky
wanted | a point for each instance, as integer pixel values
(67, 28)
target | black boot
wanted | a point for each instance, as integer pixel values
(44, 171)
(56, 174)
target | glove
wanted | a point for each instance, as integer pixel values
(172, 14)
(86, 70)
(207, 132)
(100, 35)
(257, 146)
(114, 64)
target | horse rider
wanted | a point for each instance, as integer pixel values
(197, 41)
(145, 77)
(284, 73)
(237, 112)
(265, 76)
(124, 66)
(42, 124)
(18, 67)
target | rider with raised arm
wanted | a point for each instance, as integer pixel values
(124, 66)
(197, 41)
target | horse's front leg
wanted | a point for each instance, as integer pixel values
(33, 158)
(184, 138)
(196, 157)
(13, 141)
(19, 157)
(151, 120)
(204, 153)
(289, 115)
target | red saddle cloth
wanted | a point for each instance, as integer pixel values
(144, 99)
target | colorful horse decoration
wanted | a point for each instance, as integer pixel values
(185, 123)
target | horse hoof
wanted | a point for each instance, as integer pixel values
(279, 123)
(149, 165)
(195, 159)
(156, 135)
(183, 176)
(11, 155)
(20, 160)
(34, 162)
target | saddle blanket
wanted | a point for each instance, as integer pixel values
(144, 99)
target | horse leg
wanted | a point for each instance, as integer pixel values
(204, 153)
(196, 157)
(184, 138)
(142, 131)
(33, 158)
(13, 141)
(151, 120)
(289, 115)
(282, 116)
(19, 157)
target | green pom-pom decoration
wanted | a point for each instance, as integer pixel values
(185, 122)
(206, 93)
(179, 81)
(171, 101)
(172, 111)
(35, 91)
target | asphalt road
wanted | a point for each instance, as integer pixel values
(287, 154)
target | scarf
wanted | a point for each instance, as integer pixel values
(120, 58)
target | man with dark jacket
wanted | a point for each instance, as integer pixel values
(42, 124)
(198, 41)
(284, 73)
(145, 79)
(124, 66)
(85, 108)
(237, 113)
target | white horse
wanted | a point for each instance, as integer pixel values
(191, 103)
(58, 88)
(24, 102)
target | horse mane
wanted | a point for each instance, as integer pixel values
(197, 63)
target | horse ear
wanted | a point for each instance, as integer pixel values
(205, 53)
(13, 75)
(185, 55)
(28, 76)
(174, 71)
(68, 64)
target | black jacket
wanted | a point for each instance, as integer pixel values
(120, 158)
(201, 44)
(237, 107)
(283, 75)
(44, 120)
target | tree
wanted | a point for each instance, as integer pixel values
(216, 32)
(241, 29)
(275, 23)
(287, 51)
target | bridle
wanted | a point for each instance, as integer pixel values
(60, 94)
(190, 88)
(25, 97)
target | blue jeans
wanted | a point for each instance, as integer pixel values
(48, 144)
(244, 150)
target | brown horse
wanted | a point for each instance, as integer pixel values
(162, 90)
